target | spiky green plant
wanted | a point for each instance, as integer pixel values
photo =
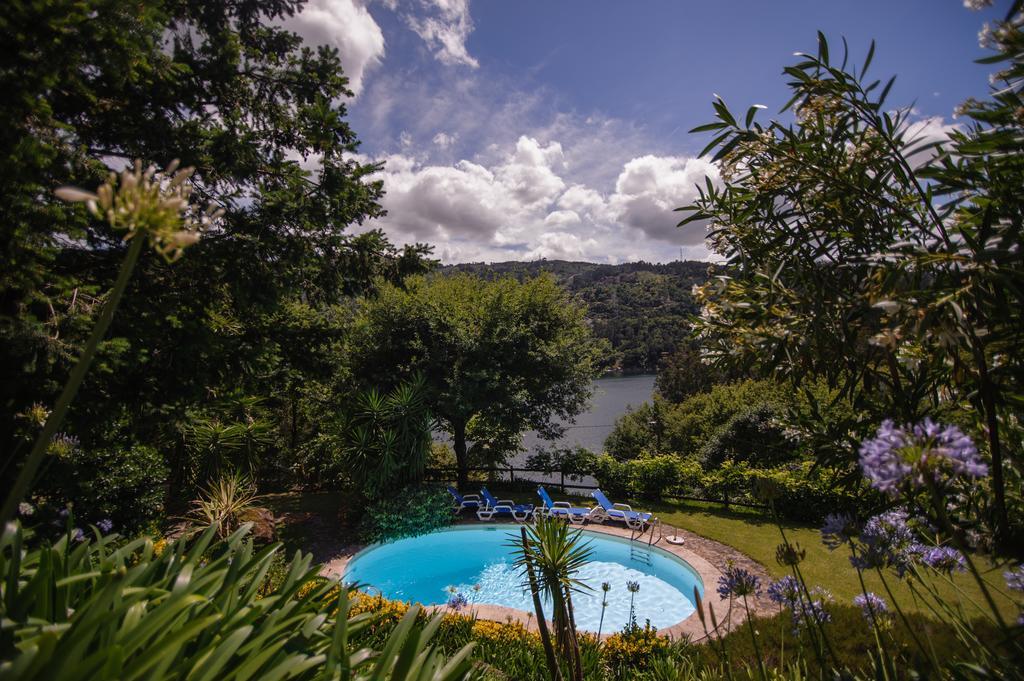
(556, 552)
(225, 503)
(108, 609)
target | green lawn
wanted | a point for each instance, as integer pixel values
(755, 535)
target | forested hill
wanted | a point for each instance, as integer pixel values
(641, 308)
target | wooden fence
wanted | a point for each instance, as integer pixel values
(509, 474)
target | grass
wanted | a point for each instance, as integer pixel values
(754, 534)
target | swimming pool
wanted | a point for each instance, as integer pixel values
(477, 562)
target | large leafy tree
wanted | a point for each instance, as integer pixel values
(501, 355)
(261, 116)
(844, 261)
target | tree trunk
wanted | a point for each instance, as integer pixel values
(461, 457)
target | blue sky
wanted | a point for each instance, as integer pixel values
(527, 129)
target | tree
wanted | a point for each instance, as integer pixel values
(259, 311)
(515, 355)
(843, 262)
(684, 373)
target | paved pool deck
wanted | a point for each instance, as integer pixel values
(707, 558)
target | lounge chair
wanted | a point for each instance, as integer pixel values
(562, 509)
(606, 510)
(470, 501)
(492, 506)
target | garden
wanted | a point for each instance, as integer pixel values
(235, 421)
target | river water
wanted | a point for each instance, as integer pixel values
(611, 396)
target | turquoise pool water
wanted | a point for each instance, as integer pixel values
(477, 562)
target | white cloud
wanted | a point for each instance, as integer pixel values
(445, 29)
(444, 140)
(648, 190)
(926, 131)
(346, 25)
(562, 246)
(520, 206)
(562, 218)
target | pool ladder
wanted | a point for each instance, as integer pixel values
(639, 555)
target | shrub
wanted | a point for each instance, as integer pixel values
(753, 435)
(575, 462)
(613, 476)
(634, 648)
(651, 476)
(407, 512)
(125, 485)
(808, 494)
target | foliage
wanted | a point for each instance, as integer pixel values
(685, 373)
(113, 609)
(258, 309)
(513, 356)
(641, 309)
(575, 462)
(859, 251)
(549, 557)
(125, 485)
(405, 512)
(686, 428)
(386, 440)
(755, 435)
(805, 492)
(227, 503)
(234, 435)
(634, 649)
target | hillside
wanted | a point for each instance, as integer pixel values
(640, 308)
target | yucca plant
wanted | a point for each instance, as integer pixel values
(108, 609)
(225, 504)
(550, 555)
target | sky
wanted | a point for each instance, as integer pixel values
(558, 129)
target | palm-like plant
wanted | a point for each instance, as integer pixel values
(115, 609)
(388, 438)
(550, 555)
(225, 504)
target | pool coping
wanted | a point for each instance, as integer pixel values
(690, 627)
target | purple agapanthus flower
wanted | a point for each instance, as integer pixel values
(944, 559)
(1015, 578)
(77, 534)
(784, 592)
(887, 541)
(925, 453)
(457, 602)
(105, 525)
(839, 529)
(806, 612)
(737, 581)
(869, 604)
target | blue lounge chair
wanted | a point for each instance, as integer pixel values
(562, 509)
(470, 501)
(606, 510)
(521, 512)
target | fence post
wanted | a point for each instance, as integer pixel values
(511, 474)
(563, 481)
